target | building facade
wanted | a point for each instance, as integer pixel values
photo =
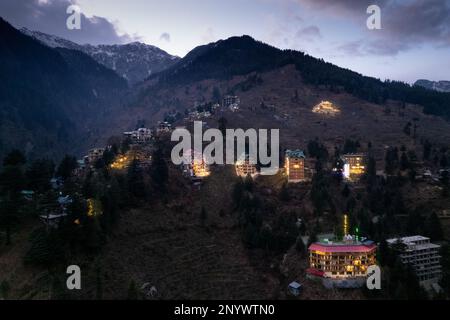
(422, 255)
(245, 166)
(295, 165)
(194, 165)
(93, 155)
(341, 260)
(354, 166)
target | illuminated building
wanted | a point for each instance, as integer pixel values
(121, 162)
(246, 166)
(326, 108)
(354, 165)
(348, 259)
(94, 208)
(422, 255)
(194, 164)
(295, 165)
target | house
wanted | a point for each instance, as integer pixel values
(93, 155)
(139, 136)
(53, 220)
(422, 255)
(354, 166)
(194, 165)
(295, 165)
(163, 127)
(245, 165)
(56, 183)
(228, 101)
(294, 288)
(27, 194)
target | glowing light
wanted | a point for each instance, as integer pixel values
(326, 108)
(345, 225)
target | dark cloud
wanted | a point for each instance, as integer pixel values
(165, 36)
(50, 16)
(405, 24)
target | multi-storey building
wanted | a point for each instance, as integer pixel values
(246, 166)
(422, 255)
(341, 260)
(354, 165)
(295, 165)
(194, 164)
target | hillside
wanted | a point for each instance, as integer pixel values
(50, 97)
(242, 55)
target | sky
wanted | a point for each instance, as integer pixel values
(413, 42)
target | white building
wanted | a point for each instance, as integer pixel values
(141, 135)
(422, 255)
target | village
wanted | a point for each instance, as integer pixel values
(337, 260)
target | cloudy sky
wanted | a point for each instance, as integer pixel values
(414, 41)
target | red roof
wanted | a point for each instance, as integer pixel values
(342, 247)
(315, 272)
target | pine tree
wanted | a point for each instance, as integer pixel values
(284, 193)
(66, 167)
(135, 180)
(203, 216)
(159, 171)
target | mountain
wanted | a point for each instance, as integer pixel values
(243, 55)
(279, 89)
(51, 98)
(134, 61)
(441, 86)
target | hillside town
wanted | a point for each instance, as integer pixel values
(341, 259)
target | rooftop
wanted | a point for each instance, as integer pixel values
(295, 153)
(343, 247)
(408, 239)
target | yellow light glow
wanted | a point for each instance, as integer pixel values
(345, 225)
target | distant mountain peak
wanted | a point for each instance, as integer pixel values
(134, 61)
(441, 86)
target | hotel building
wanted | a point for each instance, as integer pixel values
(354, 166)
(341, 260)
(295, 165)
